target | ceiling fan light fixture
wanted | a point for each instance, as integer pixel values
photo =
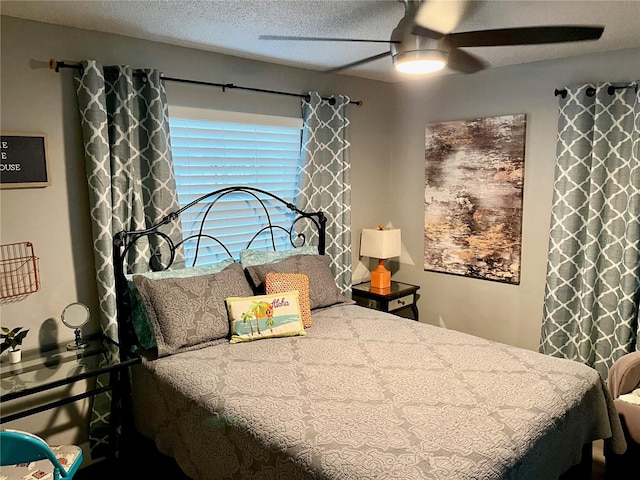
(417, 62)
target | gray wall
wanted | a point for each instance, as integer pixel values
(506, 313)
(387, 154)
(56, 218)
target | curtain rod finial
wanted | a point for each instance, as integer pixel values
(562, 93)
(53, 64)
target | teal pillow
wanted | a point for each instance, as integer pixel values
(187, 272)
(249, 258)
(139, 317)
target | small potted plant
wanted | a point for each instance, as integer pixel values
(12, 339)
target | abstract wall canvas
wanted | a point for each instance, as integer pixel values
(474, 178)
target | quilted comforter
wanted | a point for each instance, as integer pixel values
(368, 395)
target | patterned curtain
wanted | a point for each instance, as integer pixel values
(125, 127)
(593, 271)
(325, 177)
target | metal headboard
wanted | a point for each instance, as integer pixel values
(266, 202)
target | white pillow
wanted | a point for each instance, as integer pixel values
(633, 397)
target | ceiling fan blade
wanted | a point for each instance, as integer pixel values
(425, 32)
(464, 62)
(525, 36)
(359, 62)
(320, 39)
(441, 15)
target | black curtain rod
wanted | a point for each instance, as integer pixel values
(592, 91)
(57, 65)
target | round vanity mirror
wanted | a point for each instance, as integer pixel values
(76, 316)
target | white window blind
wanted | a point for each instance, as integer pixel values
(213, 150)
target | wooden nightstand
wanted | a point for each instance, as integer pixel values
(394, 299)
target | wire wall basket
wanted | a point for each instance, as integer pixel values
(18, 270)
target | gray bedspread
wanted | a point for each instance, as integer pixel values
(367, 395)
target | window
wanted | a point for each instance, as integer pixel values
(213, 149)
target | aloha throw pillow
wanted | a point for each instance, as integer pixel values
(190, 312)
(285, 282)
(323, 290)
(265, 316)
(249, 257)
(139, 319)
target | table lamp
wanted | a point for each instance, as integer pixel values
(380, 243)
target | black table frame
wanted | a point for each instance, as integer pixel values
(385, 296)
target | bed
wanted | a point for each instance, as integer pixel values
(356, 394)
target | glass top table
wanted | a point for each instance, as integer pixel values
(46, 369)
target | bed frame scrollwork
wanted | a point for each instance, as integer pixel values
(164, 249)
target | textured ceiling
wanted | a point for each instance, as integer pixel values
(233, 27)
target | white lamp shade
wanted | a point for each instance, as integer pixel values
(376, 243)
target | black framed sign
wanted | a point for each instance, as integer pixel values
(23, 160)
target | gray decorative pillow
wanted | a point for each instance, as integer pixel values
(191, 312)
(323, 290)
(139, 318)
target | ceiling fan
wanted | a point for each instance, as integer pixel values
(424, 42)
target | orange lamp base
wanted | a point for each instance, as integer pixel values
(380, 277)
